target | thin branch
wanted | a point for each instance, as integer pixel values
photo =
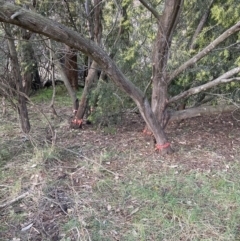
(149, 6)
(70, 16)
(235, 28)
(222, 79)
(200, 25)
(14, 200)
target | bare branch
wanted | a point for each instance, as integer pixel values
(222, 79)
(200, 111)
(149, 6)
(235, 28)
(14, 200)
(200, 25)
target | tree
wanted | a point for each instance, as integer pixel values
(71, 67)
(31, 78)
(155, 116)
(21, 107)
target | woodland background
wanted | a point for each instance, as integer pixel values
(94, 93)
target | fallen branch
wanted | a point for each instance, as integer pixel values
(14, 200)
(200, 111)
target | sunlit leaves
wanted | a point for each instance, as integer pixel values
(226, 13)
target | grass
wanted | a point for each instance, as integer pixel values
(80, 190)
(170, 206)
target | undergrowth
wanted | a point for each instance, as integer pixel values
(97, 185)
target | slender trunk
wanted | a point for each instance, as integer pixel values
(200, 26)
(31, 79)
(71, 67)
(95, 28)
(92, 74)
(71, 92)
(22, 106)
(53, 79)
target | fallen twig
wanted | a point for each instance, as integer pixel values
(14, 200)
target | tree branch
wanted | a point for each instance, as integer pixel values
(235, 28)
(200, 26)
(222, 79)
(14, 200)
(200, 111)
(149, 6)
(56, 31)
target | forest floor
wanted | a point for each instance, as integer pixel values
(108, 183)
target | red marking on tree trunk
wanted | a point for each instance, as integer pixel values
(159, 147)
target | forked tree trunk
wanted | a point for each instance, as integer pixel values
(58, 32)
(166, 25)
(22, 107)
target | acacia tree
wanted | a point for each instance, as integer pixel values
(154, 117)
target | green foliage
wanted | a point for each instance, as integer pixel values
(226, 13)
(223, 58)
(107, 104)
(4, 155)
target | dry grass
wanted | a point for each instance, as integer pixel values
(108, 184)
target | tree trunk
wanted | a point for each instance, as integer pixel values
(166, 25)
(71, 67)
(31, 79)
(92, 74)
(92, 71)
(22, 107)
(70, 90)
(37, 23)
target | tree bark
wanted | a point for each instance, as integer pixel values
(71, 67)
(200, 111)
(22, 106)
(195, 90)
(92, 74)
(166, 25)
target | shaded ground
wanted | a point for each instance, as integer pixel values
(87, 187)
